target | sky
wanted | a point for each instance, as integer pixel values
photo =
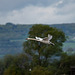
(37, 11)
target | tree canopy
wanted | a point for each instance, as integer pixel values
(42, 53)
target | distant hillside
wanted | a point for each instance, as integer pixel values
(69, 29)
(12, 36)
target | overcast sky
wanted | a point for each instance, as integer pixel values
(37, 11)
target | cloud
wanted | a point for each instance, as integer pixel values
(30, 14)
(9, 5)
(59, 2)
(39, 14)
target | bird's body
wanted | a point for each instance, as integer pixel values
(45, 40)
(38, 38)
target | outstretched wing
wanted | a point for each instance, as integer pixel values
(46, 38)
(49, 37)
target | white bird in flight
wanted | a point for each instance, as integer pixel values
(45, 40)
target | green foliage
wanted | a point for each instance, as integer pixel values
(21, 61)
(65, 63)
(7, 60)
(40, 71)
(1, 67)
(20, 66)
(41, 53)
(12, 70)
(15, 70)
(16, 65)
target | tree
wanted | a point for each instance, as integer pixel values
(8, 60)
(18, 66)
(40, 71)
(65, 63)
(41, 53)
(12, 70)
(22, 62)
(1, 67)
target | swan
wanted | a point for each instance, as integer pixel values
(45, 40)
